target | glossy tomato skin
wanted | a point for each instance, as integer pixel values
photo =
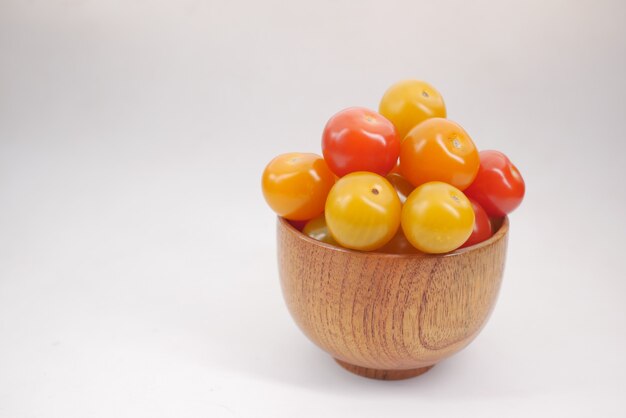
(403, 186)
(398, 245)
(499, 187)
(439, 150)
(299, 225)
(437, 218)
(410, 102)
(359, 139)
(363, 211)
(295, 185)
(317, 229)
(482, 226)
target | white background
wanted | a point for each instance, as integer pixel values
(137, 256)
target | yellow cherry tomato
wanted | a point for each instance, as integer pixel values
(410, 102)
(317, 229)
(295, 185)
(363, 211)
(437, 218)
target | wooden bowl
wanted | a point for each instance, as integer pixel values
(389, 316)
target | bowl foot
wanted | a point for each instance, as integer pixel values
(383, 374)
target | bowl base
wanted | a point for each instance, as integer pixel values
(383, 374)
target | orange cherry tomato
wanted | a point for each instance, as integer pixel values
(410, 102)
(439, 150)
(437, 218)
(295, 185)
(402, 185)
(363, 211)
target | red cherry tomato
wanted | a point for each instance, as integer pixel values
(299, 225)
(499, 187)
(482, 226)
(359, 139)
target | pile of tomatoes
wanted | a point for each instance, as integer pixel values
(404, 179)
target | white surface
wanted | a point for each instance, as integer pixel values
(137, 257)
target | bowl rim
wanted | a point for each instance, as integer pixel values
(497, 236)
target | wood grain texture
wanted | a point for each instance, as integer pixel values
(389, 316)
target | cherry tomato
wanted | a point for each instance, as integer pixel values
(317, 229)
(409, 103)
(482, 226)
(499, 187)
(403, 186)
(299, 225)
(295, 185)
(439, 150)
(359, 139)
(437, 218)
(363, 211)
(399, 245)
